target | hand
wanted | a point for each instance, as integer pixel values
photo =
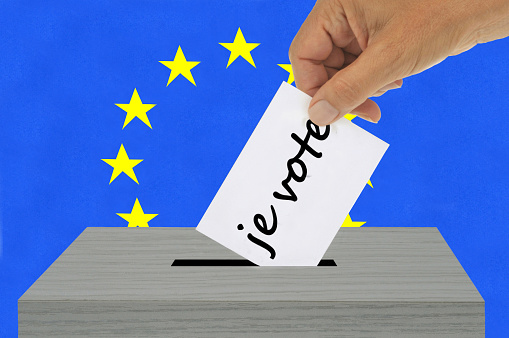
(347, 51)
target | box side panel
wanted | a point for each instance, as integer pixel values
(255, 319)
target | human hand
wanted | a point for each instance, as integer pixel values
(349, 50)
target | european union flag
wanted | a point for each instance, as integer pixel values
(131, 113)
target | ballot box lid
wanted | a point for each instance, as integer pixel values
(371, 264)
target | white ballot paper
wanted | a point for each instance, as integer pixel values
(292, 185)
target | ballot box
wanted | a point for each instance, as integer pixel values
(175, 282)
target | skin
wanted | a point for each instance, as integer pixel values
(349, 50)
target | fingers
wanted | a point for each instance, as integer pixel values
(368, 110)
(336, 58)
(374, 71)
(312, 49)
(394, 85)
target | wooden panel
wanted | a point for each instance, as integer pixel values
(254, 319)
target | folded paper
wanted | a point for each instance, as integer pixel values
(292, 185)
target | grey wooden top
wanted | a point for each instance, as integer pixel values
(373, 264)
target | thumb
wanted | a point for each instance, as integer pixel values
(349, 89)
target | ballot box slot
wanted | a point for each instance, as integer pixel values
(231, 262)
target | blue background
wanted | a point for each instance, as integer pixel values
(64, 65)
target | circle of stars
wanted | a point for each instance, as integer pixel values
(137, 109)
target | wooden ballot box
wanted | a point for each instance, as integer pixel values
(175, 282)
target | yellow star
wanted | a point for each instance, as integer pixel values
(180, 65)
(349, 224)
(122, 164)
(288, 68)
(137, 218)
(135, 108)
(239, 47)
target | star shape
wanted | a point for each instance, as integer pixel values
(288, 68)
(137, 218)
(135, 108)
(122, 164)
(350, 224)
(239, 47)
(180, 66)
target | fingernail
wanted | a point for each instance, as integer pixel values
(322, 112)
(367, 118)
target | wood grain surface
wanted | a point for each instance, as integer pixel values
(119, 282)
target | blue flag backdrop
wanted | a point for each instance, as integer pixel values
(65, 65)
